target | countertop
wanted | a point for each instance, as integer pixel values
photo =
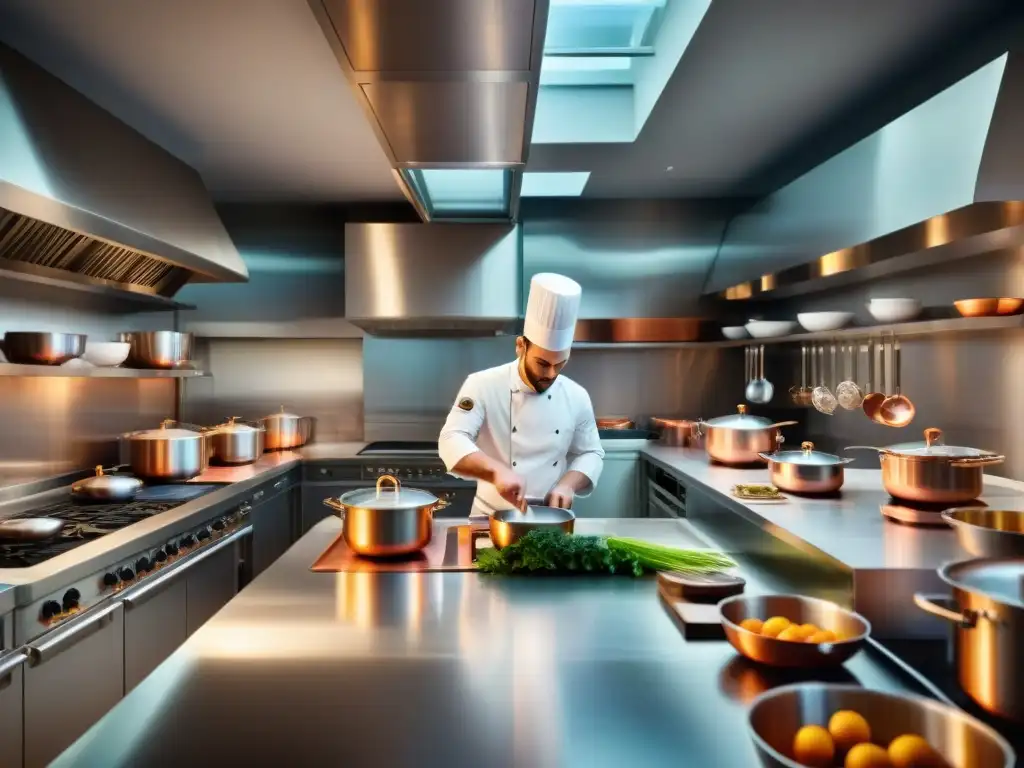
(453, 669)
(849, 529)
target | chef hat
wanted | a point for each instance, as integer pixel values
(551, 311)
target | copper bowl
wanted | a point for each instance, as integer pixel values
(989, 307)
(852, 627)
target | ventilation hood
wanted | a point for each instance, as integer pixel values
(944, 181)
(88, 203)
(450, 88)
(433, 280)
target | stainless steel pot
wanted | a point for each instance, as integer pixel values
(806, 470)
(236, 442)
(508, 526)
(986, 532)
(29, 348)
(30, 529)
(386, 523)
(168, 455)
(931, 472)
(104, 487)
(158, 349)
(285, 430)
(989, 630)
(741, 438)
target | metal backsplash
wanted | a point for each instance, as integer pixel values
(411, 384)
(322, 378)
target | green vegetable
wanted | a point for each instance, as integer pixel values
(557, 552)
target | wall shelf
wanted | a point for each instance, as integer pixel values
(917, 328)
(68, 372)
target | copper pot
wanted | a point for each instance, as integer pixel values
(806, 471)
(614, 422)
(933, 473)
(678, 433)
(741, 438)
(377, 522)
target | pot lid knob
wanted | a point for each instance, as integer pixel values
(807, 446)
(932, 436)
(395, 485)
(741, 409)
(166, 423)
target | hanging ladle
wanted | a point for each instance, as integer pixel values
(896, 410)
(848, 392)
(873, 400)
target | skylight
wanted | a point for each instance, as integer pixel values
(554, 183)
(462, 193)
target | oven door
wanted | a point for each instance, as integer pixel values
(75, 674)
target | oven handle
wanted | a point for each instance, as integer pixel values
(10, 663)
(138, 595)
(65, 637)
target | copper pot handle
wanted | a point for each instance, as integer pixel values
(966, 619)
(392, 479)
(970, 462)
(336, 505)
(778, 424)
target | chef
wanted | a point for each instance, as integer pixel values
(522, 430)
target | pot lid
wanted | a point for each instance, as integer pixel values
(806, 456)
(1001, 579)
(933, 446)
(234, 424)
(166, 432)
(102, 480)
(740, 420)
(281, 414)
(385, 496)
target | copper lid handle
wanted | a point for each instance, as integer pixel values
(807, 446)
(741, 409)
(932, 436)
(390, 478)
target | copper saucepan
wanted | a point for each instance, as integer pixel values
(933, 473)
(741, 438)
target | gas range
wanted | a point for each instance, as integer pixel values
(85, 521)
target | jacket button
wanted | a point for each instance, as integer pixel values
(513, 463)
(549, 397)
(556, 431)
(555, 464)
(514, 429)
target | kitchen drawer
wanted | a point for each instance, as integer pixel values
(154, 627)
(273, 523)
(209, 585)
(618, 491)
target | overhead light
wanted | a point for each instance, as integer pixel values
(554, 183)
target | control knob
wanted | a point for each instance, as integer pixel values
(204, 534)
(172, 549)
(71, 599)
(127, 574)
(143, 565)
(160, 555)
(187, 541)
(111, 579)
(219, 525)
(50, 609)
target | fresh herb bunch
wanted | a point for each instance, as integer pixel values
(556, 552)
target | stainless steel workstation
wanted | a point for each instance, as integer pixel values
(234, 317)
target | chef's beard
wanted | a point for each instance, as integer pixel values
(536, 384)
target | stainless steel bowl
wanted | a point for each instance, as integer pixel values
(31, 348)
(963, 741)
(851, 627)
(986, 532)
(510, 525)
(158, 349)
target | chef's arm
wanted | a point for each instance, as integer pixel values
(457, 442)
(479, 466)
(585, 455)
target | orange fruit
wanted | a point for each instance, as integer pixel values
(812, 746)
(867, 756)
(848, 728)
(912, 751)
(752, 625)
(822, 636)
(806, 630)
(792, 634)
(774, 626)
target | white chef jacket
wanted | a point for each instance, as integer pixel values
(540, 435)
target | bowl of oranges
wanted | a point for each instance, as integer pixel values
(817, 725)
(792, 630)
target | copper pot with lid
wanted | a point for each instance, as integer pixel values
(678, 433)
(931, 472)
(742, 437)
(285, 430)
(806, 471)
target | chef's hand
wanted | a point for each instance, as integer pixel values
(560, 496)
(511, 486)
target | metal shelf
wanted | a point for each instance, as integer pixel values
(13, 369)
(949, 325)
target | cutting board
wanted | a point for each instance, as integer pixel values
(697, 621)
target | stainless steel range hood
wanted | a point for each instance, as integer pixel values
(944, 181)
(450, 88)
(88, 203)
(433, 280)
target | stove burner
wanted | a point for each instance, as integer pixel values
(393, 447)
(86, 521)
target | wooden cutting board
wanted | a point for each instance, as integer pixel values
(701, 588)
(698, 621)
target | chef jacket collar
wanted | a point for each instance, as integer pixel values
(516, 383)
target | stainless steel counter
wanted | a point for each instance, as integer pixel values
(453, 669)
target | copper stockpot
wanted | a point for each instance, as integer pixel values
(806, 471)
(741, 438)
(933, 473)
(676, 432)
(386, 523)
(988, 614)
(615, 422)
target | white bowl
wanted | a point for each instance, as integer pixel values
(106, 354)
(894, 310)
(767, 329)
(734, 332)
(824, 321)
